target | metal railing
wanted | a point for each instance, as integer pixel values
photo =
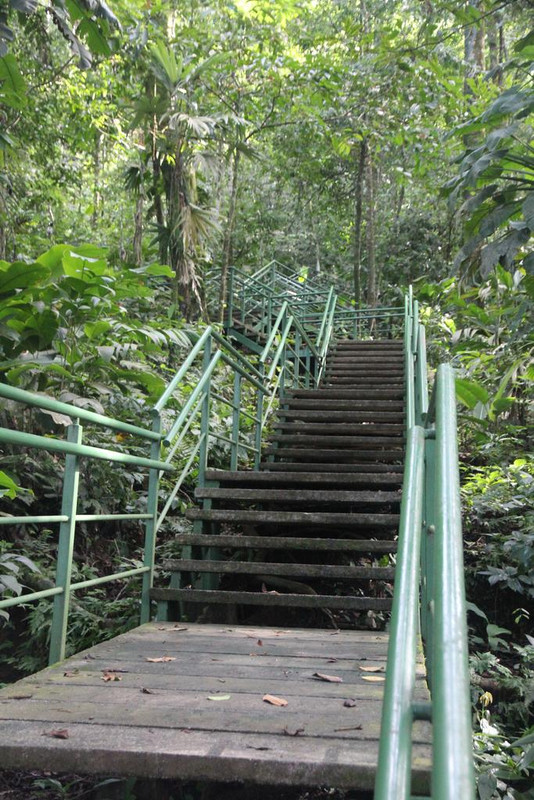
(429, 592)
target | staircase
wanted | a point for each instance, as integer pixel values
(328, 490)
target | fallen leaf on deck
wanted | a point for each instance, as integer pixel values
(161, 659)
(71, 673)
(251, 747)
(259, 643)
(373, 678)
(60, 734)
(19, 697)
(111, 676)
(147, 691)
(219, 697)
(373, 669)
(221, 680)
(331, 660)
(297, 732)
(328, 678)
(177, 628)
(274, 701)
(349, 703)
(334, 633)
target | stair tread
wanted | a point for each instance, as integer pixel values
(332, 571)
(322, 441)
(287, 542)
(344, 416)
(326, 478)
(332, 467)
(295, 517)
(315, 455)
(271, 598)
(298, 495)
(348, 394)
(342, 428)
(342, 404)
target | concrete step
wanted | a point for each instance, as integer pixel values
(333, 467)
(303, 479)
(350, 603)
(342, 428)
(367, 417)
(370, 393)
(312, 544)
(315, 456)
(345, 442)
(336, 519)
(310, 496)
(326, 571)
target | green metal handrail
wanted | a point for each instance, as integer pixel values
(429, 588)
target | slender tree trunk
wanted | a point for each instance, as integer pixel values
(138, 230)
(175, 224)
(229, 232)
(372, 279)
(97, 197)
(357, 233)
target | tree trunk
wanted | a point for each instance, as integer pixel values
(357, 235)
(372, 281)
(227, 254)
(176, 202)
(138, 230)
(97, 197)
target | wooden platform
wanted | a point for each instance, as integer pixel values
(113, 711)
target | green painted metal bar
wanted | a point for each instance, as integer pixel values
(116, 576)
(452, 768)
(208, 366)
(259, 425)
(409, 376)
(238, 368)
(10, 602)
(421, 380)
(51, 404)
(178, 483)
(149, 551)
(274, 331)
(204, 380)
(185, 429)
(60, 446)
(229, 403)
(415, 326)
(393, 778)
(236, 419)
(324, 318)
(33, 520)
(167, 394)
(67, 530)
(237, 356)
(280, 349)
(110, 517)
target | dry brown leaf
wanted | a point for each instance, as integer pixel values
(71, 673)
(274, 701)
(58, 734)
(331, 660)
(373, 678)
(111, 676)
(161, 659)
(177, 628)
(328, 678)
(147, 691)
(373, 669)
(259, 643)
(350, 703)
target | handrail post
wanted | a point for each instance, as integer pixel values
(259, 425)
(421, 382)
(230, 298)
(205, 417)
(393, 777)
(409, 373)
(236, 414)
(67, 530)
(151, 524)
(452, 768)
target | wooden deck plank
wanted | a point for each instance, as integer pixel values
(174, 730)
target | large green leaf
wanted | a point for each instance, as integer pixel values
(13, 85)
(20, 275)
(470, 393)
